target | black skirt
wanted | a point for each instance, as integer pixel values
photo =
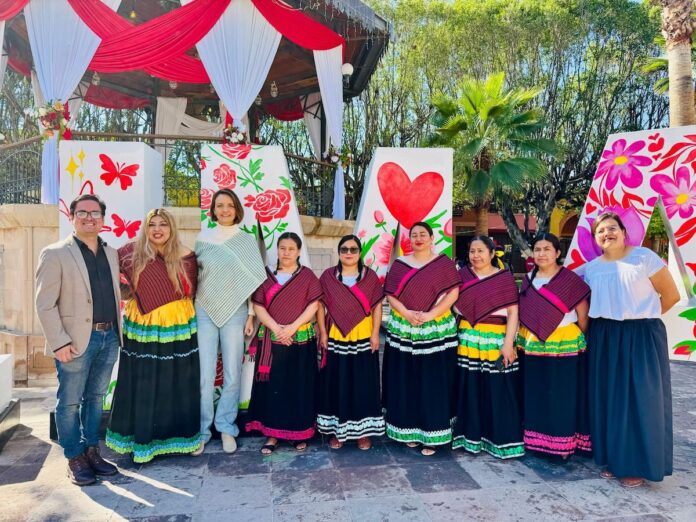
(418, 378)
(349, 398)
(631, 397)
(284, 406)
(156, 408)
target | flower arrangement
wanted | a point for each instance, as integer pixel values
(343, 157)
(53, 118)
(233, 135)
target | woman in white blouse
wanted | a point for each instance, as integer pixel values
(630, 391)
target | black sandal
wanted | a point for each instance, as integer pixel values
(268, 449)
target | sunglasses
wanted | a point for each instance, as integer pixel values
(349, 250)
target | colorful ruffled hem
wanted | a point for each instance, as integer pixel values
(281, 434)
(350, 430)
(506, 451)
(427, 438)
(142, 453)
(562, 446)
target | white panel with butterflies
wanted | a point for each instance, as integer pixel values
(126, 175)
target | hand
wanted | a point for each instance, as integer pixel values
(284, 335)
(509, 355)
(66, 354)
(426, 316)
(323, 340)
(413, 317)
(374, 342)
(249, 326)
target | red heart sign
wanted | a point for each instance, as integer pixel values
(408, 201)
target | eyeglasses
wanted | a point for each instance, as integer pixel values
(94, 214)
(349, 250)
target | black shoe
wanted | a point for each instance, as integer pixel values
(98, 464)
(80, 472)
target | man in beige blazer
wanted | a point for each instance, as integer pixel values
(77, 301)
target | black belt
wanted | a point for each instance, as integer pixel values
(102, 327)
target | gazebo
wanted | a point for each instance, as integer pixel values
(184, 59)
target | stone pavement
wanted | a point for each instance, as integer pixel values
(389, 482)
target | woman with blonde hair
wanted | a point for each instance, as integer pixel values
(156, 408)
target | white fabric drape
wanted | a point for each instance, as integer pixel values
(170, 113)
(328, 65)
(312, 118)
(191, 126)
(3, 59)
(237, 54)
(60, 61)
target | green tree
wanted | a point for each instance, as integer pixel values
(498, 142)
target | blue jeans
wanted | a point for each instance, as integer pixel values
(230, 338)
(82, 384)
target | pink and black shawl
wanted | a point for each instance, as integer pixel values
(284, 303)
(419, 288)
(348, 306)
(155, 289)
(542, 309)
(479, 298)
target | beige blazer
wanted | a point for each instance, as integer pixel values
(64, 295)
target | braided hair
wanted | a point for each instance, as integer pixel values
(339, 266)
(545, 236)
(294, 237)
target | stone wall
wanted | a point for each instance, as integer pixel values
(26, 229)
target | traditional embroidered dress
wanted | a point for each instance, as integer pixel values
(349, 395)
(488, 405)
(419, 361)
(156, 407)
(629, 375)
(283, 395)
(552, 351)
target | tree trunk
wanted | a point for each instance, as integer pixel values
(513, 230)
(481, 211)
(677, 28)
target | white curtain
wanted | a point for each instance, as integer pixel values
(3, 59)
(60, 59)
(191, 126)
(312, 118)
(238, 53)
(328, 64)
(170, 113)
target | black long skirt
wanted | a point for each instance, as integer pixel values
(556, 409)
(156, 408)
(284, 406)
(349, 398)
(631, 397)
(418, 377)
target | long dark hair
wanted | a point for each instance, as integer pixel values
(294, 237)
(545, 236)
(495, 260)
(339, 266)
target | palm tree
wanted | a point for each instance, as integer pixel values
(677, 28)
(496, 138)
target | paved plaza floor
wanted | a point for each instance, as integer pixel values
(389, 482)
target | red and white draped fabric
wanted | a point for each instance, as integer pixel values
(60, 63)
(328, 64)
(238, 53)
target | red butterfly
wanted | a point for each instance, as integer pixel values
(117, 171)
(121, 226)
